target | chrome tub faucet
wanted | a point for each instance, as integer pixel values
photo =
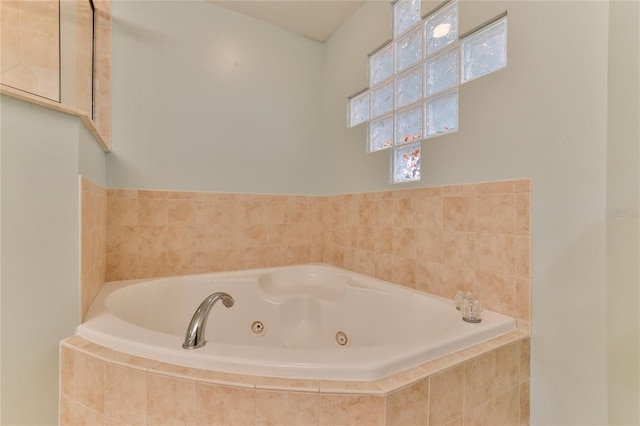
(195, 332)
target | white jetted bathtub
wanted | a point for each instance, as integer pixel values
(305, 321)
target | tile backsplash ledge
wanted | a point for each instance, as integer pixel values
(436, 239)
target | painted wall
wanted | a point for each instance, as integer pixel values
(207, 99)
(623, 203)
(40, 252)
(545, 117)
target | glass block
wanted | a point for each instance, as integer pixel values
(409, 87)
(381, 65)
(409, 125)
(408, 50)
(381, 134)
(359, 107)
(485, 51)
(442, 72)
(406, 163)
(441, 28)
(406, 13)
(382, 99)
(441, 114)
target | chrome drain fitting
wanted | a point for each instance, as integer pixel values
(258, 328)
(342, 339)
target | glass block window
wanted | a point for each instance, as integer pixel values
(406, 163)
(382, 99)
(442, 114)
(381, 134)
(408, 125)
(441, 28)
(381, 65)
(441, 72)
(409, 87)
(408, 50)
(406, 14)
(360, 106)
(485, 51)
(414, 80)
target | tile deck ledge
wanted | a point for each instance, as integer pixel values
(382, 386)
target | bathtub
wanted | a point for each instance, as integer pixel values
(306, 321)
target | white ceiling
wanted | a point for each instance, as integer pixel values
(316, 19)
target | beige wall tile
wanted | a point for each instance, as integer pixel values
(522, 256)
(523, 214)
(170, 401)
(89, 375)
(523, 185)
(404, 271)
(384, 212)
(224, 405)
(459, 250)
(382, 239)
(366, 238)
(496, 292)
(404, 242)
(429, 278)
(429, 244)
(446, 396)
(495, 253)
(67, 371)
(525, 360)
(403, 212)
(392, 235)
(153, 211)
(478, 387)
(495, 213)
(367, 214)
(506, 408)
(525, 405)
(297, 210)
(429, 212)
(122, 266)
(507, 368)
(286, 408)
(409, 405)
(65, 413)
(482, 415)
(125, 394)
(365, 410)
(181, 212)
(456, 278)
(459, 213)
(122, 211)
(154, 263)
(523, 299)
(458, 190)
(457, 422)
(93, 241)
(85, 416)
(496, 187)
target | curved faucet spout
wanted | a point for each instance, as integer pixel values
(195, 332)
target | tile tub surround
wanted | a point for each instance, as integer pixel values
(163, 233)
(485, 384)
(436, 239)
(93, 236)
